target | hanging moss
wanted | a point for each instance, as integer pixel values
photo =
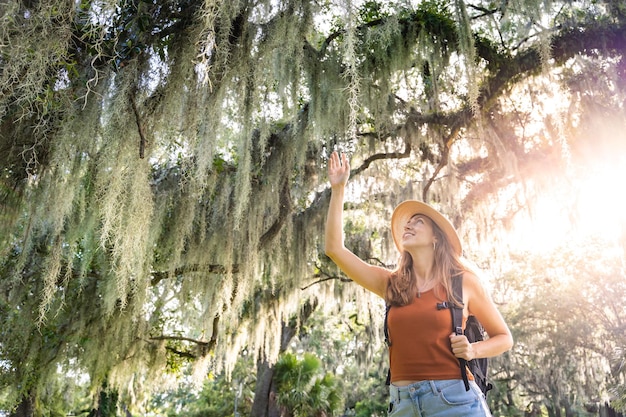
(162, 187)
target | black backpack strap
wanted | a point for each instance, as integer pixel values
(387, 341)
(457, 320)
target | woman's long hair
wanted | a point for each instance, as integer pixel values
(402, 286)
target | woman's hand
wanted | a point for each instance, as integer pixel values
(338, 169)
(461, 347)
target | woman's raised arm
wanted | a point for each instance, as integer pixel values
(370, 277)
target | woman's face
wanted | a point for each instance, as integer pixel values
(418, 231)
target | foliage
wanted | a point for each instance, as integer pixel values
(107, 404)
(371, 407)
(349, 342)
(161, 162)
(219, 396)
(303, 389)
(564, 324)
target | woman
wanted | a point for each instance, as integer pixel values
(425, 374)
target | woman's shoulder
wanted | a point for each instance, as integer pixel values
(472, 282)
(469, 275)
(377, 279)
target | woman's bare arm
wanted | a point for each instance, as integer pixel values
(480, 304)
(370, 277)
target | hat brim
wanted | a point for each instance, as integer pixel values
(409, 208)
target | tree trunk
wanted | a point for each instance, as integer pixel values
(607, 411)
(569, 411)
(26, 408)
(264, 404)
(107, 404)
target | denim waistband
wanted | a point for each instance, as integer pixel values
(441, 397)
(416, 388)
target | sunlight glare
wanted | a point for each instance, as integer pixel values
(591, 207)
(602, 204)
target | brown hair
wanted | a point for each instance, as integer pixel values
(402, 284)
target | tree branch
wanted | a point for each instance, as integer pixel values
(380, 156)
(142, 136)
(158, 276)
(283, 213)
(203, 346)
(327, 278)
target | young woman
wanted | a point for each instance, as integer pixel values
(424, 353)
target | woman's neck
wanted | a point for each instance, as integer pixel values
(423, 268)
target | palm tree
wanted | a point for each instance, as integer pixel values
(303, 389)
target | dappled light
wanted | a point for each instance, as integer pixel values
(163, 192)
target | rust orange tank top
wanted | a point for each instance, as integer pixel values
(420, 340)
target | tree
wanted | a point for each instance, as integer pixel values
(302, 390)
(162, 161)
(567, 330)
(220, 395)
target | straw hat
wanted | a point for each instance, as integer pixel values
(407, 209)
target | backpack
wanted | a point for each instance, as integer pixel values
(473, 331)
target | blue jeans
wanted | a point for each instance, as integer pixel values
(446, 398)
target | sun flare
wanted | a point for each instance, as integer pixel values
(588, 206)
